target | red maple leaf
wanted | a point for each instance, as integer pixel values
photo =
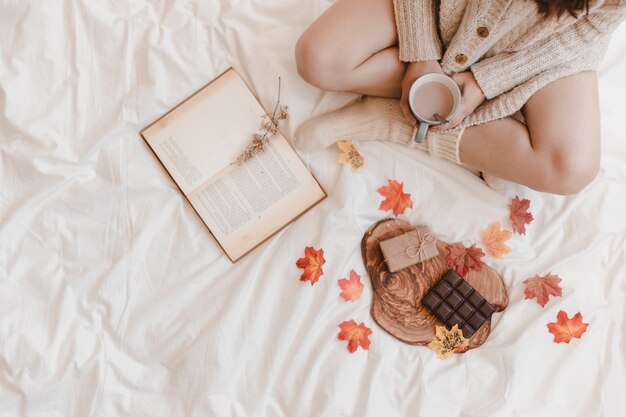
(542, 288)
(519, 215)
(312, 264)
(356, 335)
(396, 200)
(463, 259)
(351, 288)
(564, 329)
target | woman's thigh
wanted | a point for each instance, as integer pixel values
(347, 34)
(563, 121)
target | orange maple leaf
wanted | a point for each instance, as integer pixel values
(356, 335)
(396, 199)
(564, 329)
(519, 215)
(494, 238)
(351, 288)
(542, 288)
(463, 259)
(312, 264)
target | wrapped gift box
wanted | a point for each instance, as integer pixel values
(409, 248)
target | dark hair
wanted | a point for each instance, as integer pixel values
(556, 8)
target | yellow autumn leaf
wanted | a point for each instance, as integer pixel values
(447, 341)
(350, 155)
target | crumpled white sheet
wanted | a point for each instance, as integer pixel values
(115, 301)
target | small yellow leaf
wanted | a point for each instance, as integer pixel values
(350, 155)
(447, 341)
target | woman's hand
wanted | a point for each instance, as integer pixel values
(471, 97)
(413, 71)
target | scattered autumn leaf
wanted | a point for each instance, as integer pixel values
(447, 341)
(494, 238)
(396, 200)
(463, 259)
(350, 155)
(519, 215)
(564, 329)
(312, 263)
(542, 288)
(356, 335)
(351, 288)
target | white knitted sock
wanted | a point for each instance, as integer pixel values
(369, 118)
(445, 144)
(374, 118)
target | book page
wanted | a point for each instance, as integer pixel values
(201, 136)
(247, 203)
(242, 205)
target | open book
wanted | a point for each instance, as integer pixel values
(242, 205)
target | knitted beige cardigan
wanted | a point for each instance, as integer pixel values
(509, 48)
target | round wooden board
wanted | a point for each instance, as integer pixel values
(397, 297)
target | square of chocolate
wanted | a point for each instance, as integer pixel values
(467, 329)
(475, 298)
(455, 319)
(486, 309)
(431, 301)
(476, 320)
(465, 311)
(454, 301)
(453, 279)
(443, 311)
(443, 290)
(464, 289)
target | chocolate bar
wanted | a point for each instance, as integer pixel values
(453, 301)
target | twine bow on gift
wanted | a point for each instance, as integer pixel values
(418, 250)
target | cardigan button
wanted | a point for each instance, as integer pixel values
(461, 59)
(483, 32)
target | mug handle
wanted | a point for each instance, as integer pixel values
(421, 133)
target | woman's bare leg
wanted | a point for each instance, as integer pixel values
(352, 47)
(557, 151)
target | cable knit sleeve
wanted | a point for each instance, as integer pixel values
(504, 71)
(416, 24)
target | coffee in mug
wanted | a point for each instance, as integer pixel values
(433, 93)
(431, 98)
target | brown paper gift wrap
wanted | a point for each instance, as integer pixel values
(409, 248)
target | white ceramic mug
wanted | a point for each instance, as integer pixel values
(425, 123)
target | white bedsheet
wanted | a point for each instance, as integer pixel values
(115, 300)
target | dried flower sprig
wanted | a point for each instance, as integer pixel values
(268, 128)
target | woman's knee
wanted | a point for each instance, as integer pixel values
(317, 64)
(568, 172)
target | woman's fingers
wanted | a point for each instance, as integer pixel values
(451, 125)
(453, 122)
(446, 126)
(471, 98)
